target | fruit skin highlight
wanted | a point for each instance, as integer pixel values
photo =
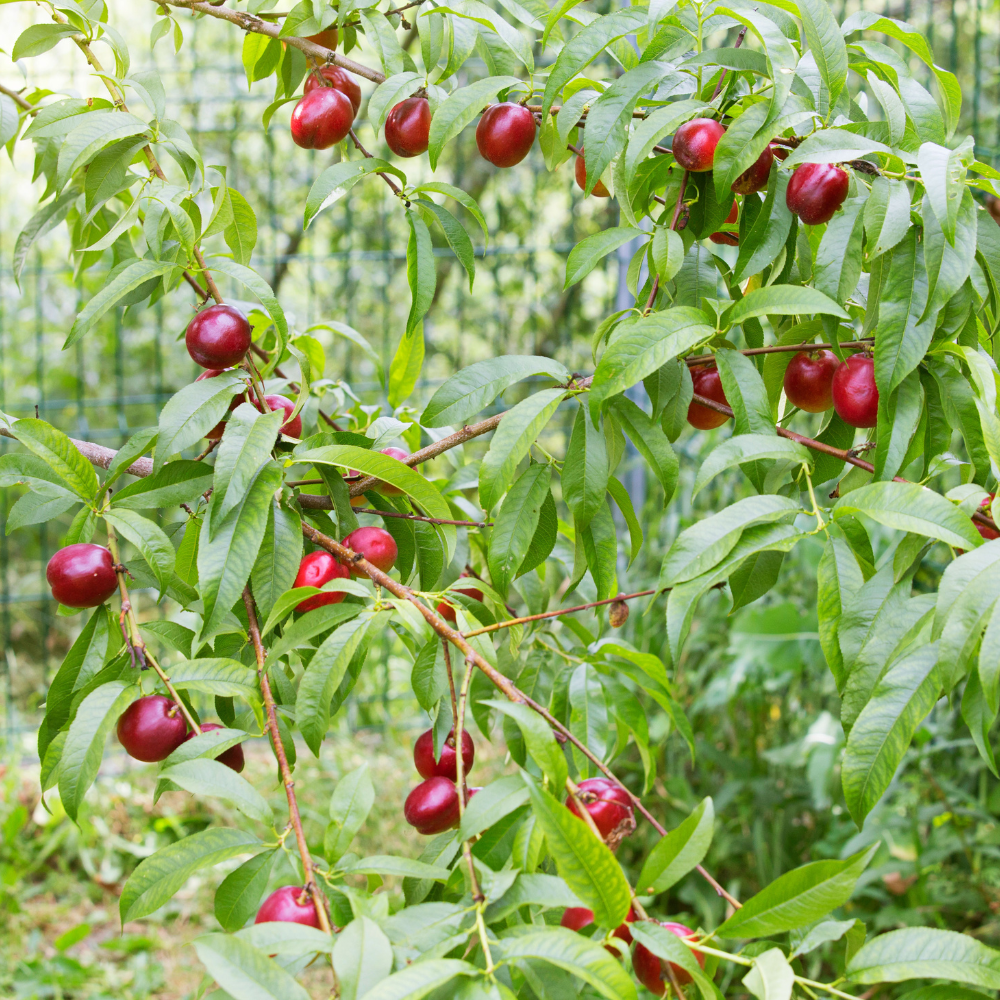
(81, 575)
(322, 118)
(275, 402)
(408, 127)
(707, 383)
(290, 904)
(152, 728)
(855, 395)
(505, 134)
(809, 380)
(815, 191)
(218, 337)
(316, 569)
(694, 144)
(376, 545)
(432, 807)
(446, 766)
(339, 80)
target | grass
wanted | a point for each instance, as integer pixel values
(59, 884)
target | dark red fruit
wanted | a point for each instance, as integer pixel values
(408, 127)
(446, 611)
(729, 239)
(809, 380)
(578, 917)
(337, 79)
(376, 545)
(327, 38)
(322, 118)
(815, 191)
(649, 968)
(233, 757)
(694, 144)
(855, 395)
(387, 488)
(432, 806)
(708, 384)
(82, 575)
(609, 806)
(986, 507)
(446, 766)
(218, 337)
(217, 431)
(316, 569)
(293, 428)
(505, 134)
(600, 190)
(290, 904)
(780, 152)
(755, 178)
(152, 728)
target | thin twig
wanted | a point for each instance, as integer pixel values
(463, 697)
(739, 42)
(396, 189)
(319, 900)
(19, 100)
(850, 345)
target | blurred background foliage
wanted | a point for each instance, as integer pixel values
(760, 697)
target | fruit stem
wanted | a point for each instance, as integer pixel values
(19, 100)
(674, 984)
(315, 892)
(459, 719)
(396, 189)
(555, 614)
(134, 638)
(856, 345)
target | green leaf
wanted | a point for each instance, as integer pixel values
(886, 215)
(384, 864)
(450, 191)
(578, 955)
(335, 326)
(39, 38)
(84, 746)
(159, 876)
(771, 977)
(322, 619)
(59, 453)
(325, 672)
(768, 232)
(926, 953)
(150, 539)
(826, 43)
(335, 181)
(175, 483)
(240, 892)
(491, 804)
(650, 441)
(782, 300)
(362, 958)
(837, 264)
(42, 503)
(883, 730)
(137, 273)
(455, 234)
(698, 548)
(674, 855)
(209, 743)
(241, 234)
(586, 863)
(585, 471)
(668, 253)
(942, 171)
(833, 145)
(419, 979)
(511, 441)
(798, 897)
(641, 348)
(739, 148)
(217, 675)
(542, 890)
(538, 739)
(586, 45)
(589, 252)
(623, 501)
(243, 971)
(459, 109)
(350, 805)
(208, 777)
(748, 447)
(278, 558)
(979, 718)
(665, 944)
(191, 413)
(515, 525)
(910, 507)
(472, 389)
(395, 88)
(252, 281)
(421, 271)
(225, 561)
(45, 219)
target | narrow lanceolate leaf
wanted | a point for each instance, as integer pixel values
(191, 413)
(640, 348)
(771, 977)
(206, 777)
(243, 971)
(798, 897)
(472, 389)
(515, 525)
(352, 800)
(748, 447)
(585, 471)
(176, 483)
(419, 979)
(335, 181)
(589, 252)
(586, 863)
(826, 43)
(582, 958)
(421, 273)
(160, 875)
(665, 944)
(679, 851)
(650, 441)
(362, 958)
(217, 676)
(516, 433)
(56, 450)
(251, 280)
(883, 730)
(150, 539)
(926, 953)
(783, 300)
(84, 746)
(278, 557)
(538, 739)
(498, 799)
(886, 215)
(238, 896)
(910, 507)
(225, 561)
